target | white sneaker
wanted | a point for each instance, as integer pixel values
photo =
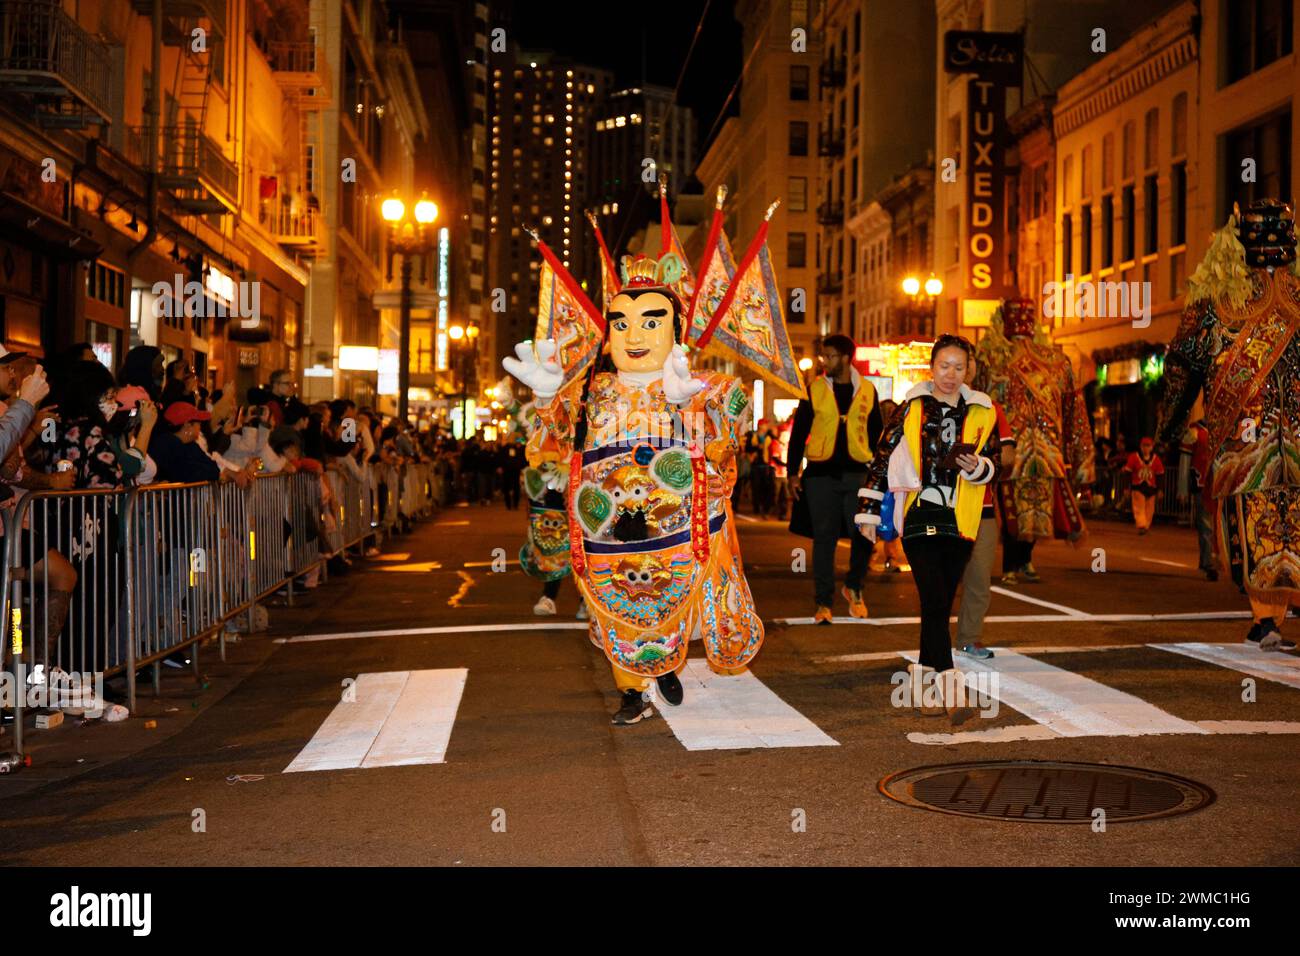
(544, 605)
(582, 614)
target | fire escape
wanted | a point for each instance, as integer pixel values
(47, 56)
(300, 70)
(191, 166)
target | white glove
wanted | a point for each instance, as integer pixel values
(540, 372)
(678, 385)
(866, 525)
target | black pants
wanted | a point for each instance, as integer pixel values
(938, 562)
(510, 490)
(832, 504)
(1015, 554)
(552, 588)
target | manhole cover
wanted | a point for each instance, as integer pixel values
(1044, 791)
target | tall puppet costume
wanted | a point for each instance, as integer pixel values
(1033, 382)
(1239, 341)
(545, 551)
(651, 450)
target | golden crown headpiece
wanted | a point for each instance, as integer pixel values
(643, 272)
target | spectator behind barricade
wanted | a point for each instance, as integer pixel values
(343, 415)
(286, 443)
(21, 400)
(95, 437)
(52, 577)
(143, 366)
(279, 395)
(217, 441)
(174, 447)
(181, 384)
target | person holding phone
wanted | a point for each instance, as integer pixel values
(932, 458)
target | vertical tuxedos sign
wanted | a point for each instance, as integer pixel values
(986, 111)
(995, 60)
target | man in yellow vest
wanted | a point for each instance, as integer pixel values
(835, 428)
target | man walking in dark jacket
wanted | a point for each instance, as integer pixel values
(836, 428)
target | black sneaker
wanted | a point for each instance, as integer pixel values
(670, 689)
(1211, 574)
(634, 709)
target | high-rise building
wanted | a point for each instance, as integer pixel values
(541, 118)
(640, 136)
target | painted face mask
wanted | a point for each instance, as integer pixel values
(108, 404)
(640, 331)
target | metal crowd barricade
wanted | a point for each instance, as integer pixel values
(85, 528)
(175, 595)
(162, 567)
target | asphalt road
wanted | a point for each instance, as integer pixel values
(533, 772)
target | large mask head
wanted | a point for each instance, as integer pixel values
(1018, 318)
(641, 330)
(642, 319)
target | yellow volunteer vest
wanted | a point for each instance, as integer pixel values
(826, 422)
(980, 425)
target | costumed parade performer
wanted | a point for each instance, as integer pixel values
(545, 552)
(1033, 382)
(1239, 342)
(651, 448)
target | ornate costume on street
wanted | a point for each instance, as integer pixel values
(1034, 383)
(650, 449)
(1240, 341)
(545, 553)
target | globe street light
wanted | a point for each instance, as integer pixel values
(920, 307)
(408, 240)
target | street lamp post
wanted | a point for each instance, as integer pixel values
(920, 307)
(409, 240)
(462, 338)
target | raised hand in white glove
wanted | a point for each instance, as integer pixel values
(540, 372)
(678, 385)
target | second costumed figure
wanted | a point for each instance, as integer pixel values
(651, 452)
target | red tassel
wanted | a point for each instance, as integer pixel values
(577, 556)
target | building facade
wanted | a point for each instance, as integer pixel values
(172, 213)
(869, 131)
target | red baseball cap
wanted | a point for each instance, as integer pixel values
(181, 413)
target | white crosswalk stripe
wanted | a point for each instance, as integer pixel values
(720, 712)
(397, 719)
(1069, 704)
(1246, 658)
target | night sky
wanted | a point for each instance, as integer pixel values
(614, 35)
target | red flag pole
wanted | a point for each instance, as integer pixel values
(665, 220)
(600, 241)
